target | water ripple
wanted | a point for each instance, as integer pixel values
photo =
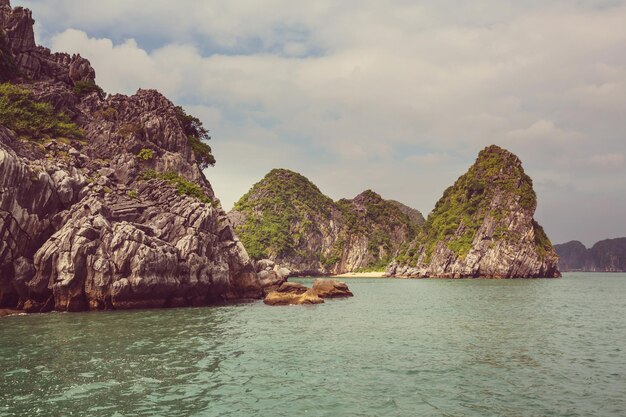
(398, 348)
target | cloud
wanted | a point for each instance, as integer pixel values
(396, 96)
(608, 161)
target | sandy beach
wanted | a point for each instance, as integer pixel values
(379, 274)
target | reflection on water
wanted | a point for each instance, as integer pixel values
(398, 348)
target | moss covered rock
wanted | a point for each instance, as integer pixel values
(287, 219)
(483, 226)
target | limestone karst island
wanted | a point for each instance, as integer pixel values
(233, 209)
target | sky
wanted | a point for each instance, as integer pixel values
(396, 96)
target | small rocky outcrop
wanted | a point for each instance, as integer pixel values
(290, 293)
(36, 62)
(607, 255)
(108, 208)
(287, 219)
(483, 226)
(271, 275)
(330, 288)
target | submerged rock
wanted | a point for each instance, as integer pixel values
(483, 226)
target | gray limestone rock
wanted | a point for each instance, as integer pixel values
(89, 225)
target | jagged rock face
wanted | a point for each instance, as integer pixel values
(605, 256)
(483, 226)
(287, 219)
(36, 62)
(89, 224)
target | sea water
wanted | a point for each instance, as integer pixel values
(397, 348)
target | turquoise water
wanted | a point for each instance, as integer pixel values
(398, 348)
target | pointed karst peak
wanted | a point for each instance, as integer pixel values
(483, 226)
(285, 185)
(367, 195)
(496, 155)
(286, 177)
(283, 173)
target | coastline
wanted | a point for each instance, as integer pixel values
(379, 274)
(6, 312)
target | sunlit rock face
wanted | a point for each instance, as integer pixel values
(117, 217)
(483, 226)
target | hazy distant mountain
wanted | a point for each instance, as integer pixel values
(605, 256)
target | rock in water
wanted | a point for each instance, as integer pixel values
(286, 218)
(483, 226)
(330, 288)
(108, 208)
(291, 293)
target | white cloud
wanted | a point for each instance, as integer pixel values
(608, 161)
(372, 94)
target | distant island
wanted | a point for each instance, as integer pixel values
(286, 218)
(483, 226)
(607, 255)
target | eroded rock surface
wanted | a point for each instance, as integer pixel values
(271, 275)
(330, 288)
(483, 226)
(290, 293)
(122, 218)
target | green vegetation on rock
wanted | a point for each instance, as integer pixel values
(145, 154)
(182, 186)
(83, 88)
(285, 217)
(196, 134)
(492, 187)
(31, 119)
(280, 211)
(370, 215)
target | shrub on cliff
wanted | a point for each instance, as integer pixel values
(31, 119)
(145, 154)
(182, 186)
(83, 88)
(196, 133)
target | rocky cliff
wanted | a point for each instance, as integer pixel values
(605, 256)
(483, 226)
(287, 219)
(103, 204)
